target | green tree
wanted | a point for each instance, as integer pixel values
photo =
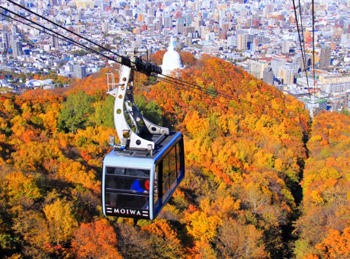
(103, 115)
(149, 109)
(212, 91)
(344, 111)
(75, 112)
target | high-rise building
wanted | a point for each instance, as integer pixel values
(5, 38)
(5, 27)
(105, 27)
(222, 35)
(80, 14)
(325, 57)
(165, 31)
(16, 49)
(242, 41)
(268, 76)
(297, 60)
(167, 22)
(276, 64)
(285, 46)
(158, 26)
(210, 36)
(149, 20)
(203, 31)
(263, 39)
(54, 41)
(53, 2)
(138, 39)
(188, 30)
(188, 41)
(345, 39)
(257, 68)
(85, 4)
(196, 25)
(337, 33)
(188, 20)
(13, 29)
(79, 71)
(232, 41)
(254, 45)
(180, 28)
(287, 74)
(151, 11)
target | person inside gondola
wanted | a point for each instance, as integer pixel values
(136, 186)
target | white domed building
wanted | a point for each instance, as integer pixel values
(171, 60)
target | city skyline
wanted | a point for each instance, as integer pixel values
(253, 35)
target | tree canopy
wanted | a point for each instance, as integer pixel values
(246, 155)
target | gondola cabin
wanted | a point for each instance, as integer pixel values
(138, 183)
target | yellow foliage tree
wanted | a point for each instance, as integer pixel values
(61, 220)
(19, 185)
(201, 226)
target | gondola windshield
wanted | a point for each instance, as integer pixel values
(132, 185)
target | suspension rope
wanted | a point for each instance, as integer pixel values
(51, 34)
(303, 39)
(302, 49)
(182, 84)
(313, 42)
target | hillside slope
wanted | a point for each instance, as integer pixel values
(323, 229)
(244, 156)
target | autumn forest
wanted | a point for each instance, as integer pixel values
(262, 179)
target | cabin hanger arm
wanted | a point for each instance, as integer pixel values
(131, 134)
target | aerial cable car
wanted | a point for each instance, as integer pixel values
(142, 172)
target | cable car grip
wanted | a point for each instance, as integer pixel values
(131, 130)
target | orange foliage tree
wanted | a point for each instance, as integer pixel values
(95, 240)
